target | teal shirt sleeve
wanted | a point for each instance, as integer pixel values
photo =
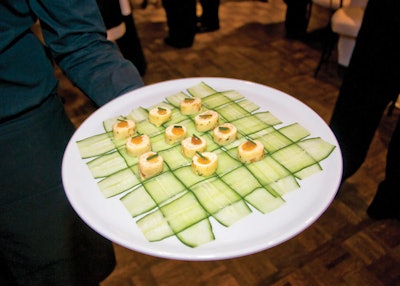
(76, 37)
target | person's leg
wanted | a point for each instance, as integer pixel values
(209, 18)
(129, 43)
(42, 240)
(387, 199)
(297, 17)
(370, 83)
(181, 20)
(393, 158)
(110, 12)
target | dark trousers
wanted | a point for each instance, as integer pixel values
(210, 15)
(181, 20)
(297, 17)
(42, 240)
(371, 82)
(129, 44)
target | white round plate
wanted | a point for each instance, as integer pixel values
(254, 233)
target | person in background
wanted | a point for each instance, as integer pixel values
(297, 18)
(181, 21)
(121, 28)
(209, 18)
(372, 83)
(42, 240)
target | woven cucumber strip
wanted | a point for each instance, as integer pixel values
(179, 203)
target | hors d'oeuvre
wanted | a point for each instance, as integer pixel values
(150, 164)
(175, 133)
(225, 133)
(206, 121)
(204, 164)
(159, 115)
(250, 151)
(193, 144)
(137, 145)
(190, 105)
(124, 128)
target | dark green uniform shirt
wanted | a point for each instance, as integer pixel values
(76, 38)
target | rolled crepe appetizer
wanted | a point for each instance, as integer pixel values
(206, 121)
(124, 129)
(159, 115)
(204, 164)
(250, 151)
(150, 164)
(175, 133)
(225, 133)
(137, 145)
(193, 144)
(190, 105)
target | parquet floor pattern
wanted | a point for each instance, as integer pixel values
(344, 246)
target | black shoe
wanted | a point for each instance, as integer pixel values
(206, 29)
(178, 44)
(385, 204)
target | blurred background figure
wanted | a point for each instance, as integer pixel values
(371, 84)
(181, 21)
(120, 24)
(297, 17)
(208, 21)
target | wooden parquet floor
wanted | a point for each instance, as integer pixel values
(344, 246)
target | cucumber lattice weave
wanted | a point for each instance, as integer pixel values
(179, 203)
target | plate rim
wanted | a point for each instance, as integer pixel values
(188, 256)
